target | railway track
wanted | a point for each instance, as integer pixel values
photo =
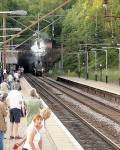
(76, 132)
(113, 97)
(109, 112)
(93, 102)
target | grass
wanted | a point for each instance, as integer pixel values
(113, 75)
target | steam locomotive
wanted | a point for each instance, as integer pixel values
(31, 63)
(31, 59)
(37, 68)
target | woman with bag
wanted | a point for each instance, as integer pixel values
(33, 105)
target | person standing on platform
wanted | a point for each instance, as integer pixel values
(10, 81)
(1, 75)
(16, 75)
(3, 114)
(15, 101)
(17, 85)
(5, 74)
(45, 113)
(33, 139)
(11, 70)
(33, 105)
(22, 71)
(4, 86)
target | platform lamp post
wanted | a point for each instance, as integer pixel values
(100, 72)
(84, 73)
(118, 48)
(106, 66)
(106, 62)
(86, 63)
(119, 62)
(78, 56)
(87, 75)
(4, 15)
(119, 65)
(4, 39)
(62, 67)
(96, 70)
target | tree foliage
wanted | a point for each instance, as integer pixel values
(88, 22)
(82, 21)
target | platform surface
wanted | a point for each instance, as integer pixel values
(95, 84)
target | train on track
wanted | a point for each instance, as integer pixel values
(37, 68)
(31, 63)
(33, 60)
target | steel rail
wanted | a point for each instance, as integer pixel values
(79, 92)
(68, 91)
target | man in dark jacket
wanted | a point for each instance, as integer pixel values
(1, 75)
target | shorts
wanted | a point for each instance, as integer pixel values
(15, 115)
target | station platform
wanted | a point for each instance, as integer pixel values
(55, 135)
(112, 88)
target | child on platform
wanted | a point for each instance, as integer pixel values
(33, 133)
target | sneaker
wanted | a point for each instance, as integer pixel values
(11, 137)
(18, 137)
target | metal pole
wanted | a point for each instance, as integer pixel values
(62, 71)
(112, 34)
(53, 28)
(11, 44)
(96, 28)
(78, 64)
(80, 46)
(106, 68)
(38, 27)
(119, 66)
(96, 76)
(4, 40)
(38, 34)
(100, 72)
(87, 66)
(86, 63)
